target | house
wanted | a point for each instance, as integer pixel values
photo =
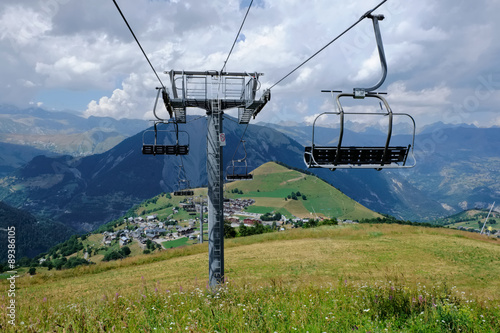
(151, 218)
(150, 234)
(124, 240)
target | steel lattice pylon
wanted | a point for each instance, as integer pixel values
(214, 92)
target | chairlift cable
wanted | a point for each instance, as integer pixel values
(187, 122)
(230, 119)
(138, 43)
(331, 42)
(237, 35)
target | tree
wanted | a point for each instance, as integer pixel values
(113, 255)
(229, 231)
(24, 262)
(32, 271)
(329, 222)
(243, 230)
(59, 263)
(125, 251)
(304, 197)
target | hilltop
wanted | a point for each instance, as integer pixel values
(273, 184)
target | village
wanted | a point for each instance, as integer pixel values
(151, 228)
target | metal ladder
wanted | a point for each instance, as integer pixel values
(216, 227)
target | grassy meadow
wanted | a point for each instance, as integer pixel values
(367, 278)
(272, 183)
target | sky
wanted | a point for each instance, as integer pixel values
(443, 56)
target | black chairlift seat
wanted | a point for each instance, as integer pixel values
(243, 176)
(165, 149)
(351, 157)
(186, 193)
(327, 156)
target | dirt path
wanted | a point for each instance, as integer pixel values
(292, 180)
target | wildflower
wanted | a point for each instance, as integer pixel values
(45, 299)
(366, 310)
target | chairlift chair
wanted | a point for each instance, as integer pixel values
(364, 157)
(230, 171)
(183, 186)
(156, 148)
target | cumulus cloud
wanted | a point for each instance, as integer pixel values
(434, 58)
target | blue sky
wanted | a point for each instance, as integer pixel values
(79, 55)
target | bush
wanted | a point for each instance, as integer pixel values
(125, 251)
(229, 231)
(113, 255)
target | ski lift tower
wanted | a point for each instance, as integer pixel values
(215, 92)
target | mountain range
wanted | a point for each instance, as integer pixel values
(62, 132)
(457, 168)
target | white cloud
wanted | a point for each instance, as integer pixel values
(434, 59)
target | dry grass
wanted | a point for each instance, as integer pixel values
(358, 253)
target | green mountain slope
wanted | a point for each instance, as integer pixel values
(32, 235)
(273, 183)
(472, 218)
